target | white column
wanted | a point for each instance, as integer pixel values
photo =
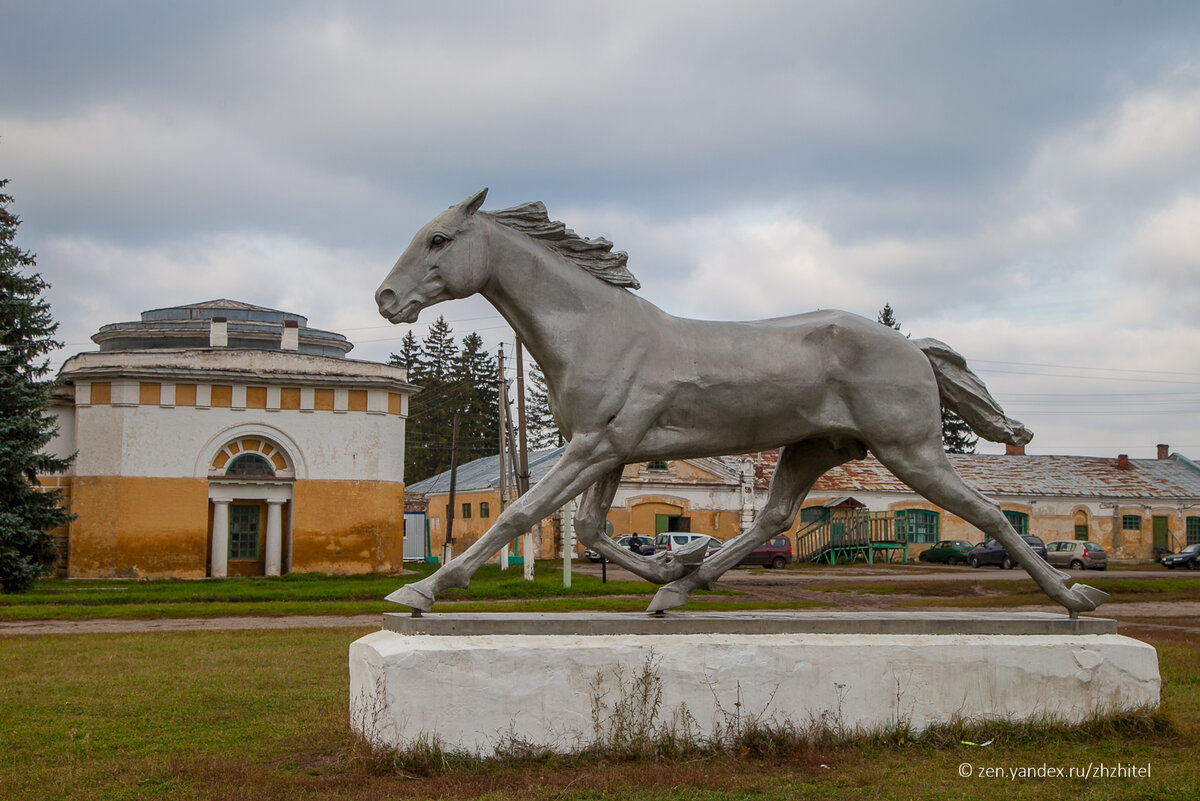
(220, 537)
(274, 555)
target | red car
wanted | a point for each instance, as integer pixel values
(776, 553)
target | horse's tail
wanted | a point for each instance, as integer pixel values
(963, 393)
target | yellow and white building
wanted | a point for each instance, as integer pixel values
(222, 439)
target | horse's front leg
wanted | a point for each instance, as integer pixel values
(593, 509)
(583, 463)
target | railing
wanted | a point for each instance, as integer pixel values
(848, 532)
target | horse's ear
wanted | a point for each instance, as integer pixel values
(472, 204)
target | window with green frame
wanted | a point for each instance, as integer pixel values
(485, 509)
(243, 531)
(656, 465)
(1131, 522)
(1081, 532)
(466, 511)
(1019, 521)
(813, 513)
(920, 525)
(1193, 530)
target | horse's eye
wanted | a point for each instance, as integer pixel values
(438, 240)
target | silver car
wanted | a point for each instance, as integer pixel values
(1076, 555)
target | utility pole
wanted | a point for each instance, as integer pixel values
(523, 455)
(523, 470)
(448, 545)
(502, 397)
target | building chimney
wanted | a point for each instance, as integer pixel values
(218, 333)
(1014, 450)
(1163, 451)
(1123, 462)
(291, 336)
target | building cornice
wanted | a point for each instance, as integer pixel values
(212, 365)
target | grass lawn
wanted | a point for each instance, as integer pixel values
(262, 714)
(307, 594)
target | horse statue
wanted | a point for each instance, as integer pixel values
(630, 383)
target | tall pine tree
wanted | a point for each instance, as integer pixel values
(453, 381)
(956, 434)
(477, 400)
(542, 430)
(27, 513)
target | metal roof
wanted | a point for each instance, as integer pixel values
(484, 474)
(1173, 478)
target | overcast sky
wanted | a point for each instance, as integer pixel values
(1018, 179)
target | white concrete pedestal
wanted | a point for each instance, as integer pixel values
(473, 691)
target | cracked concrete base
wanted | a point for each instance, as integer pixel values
(476, 691)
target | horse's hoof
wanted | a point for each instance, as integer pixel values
(1084, 598)
(411, 596)
(693, 553)
(667, 597)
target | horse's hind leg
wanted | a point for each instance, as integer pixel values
(927, 470)
(800, 465)
(593, 508)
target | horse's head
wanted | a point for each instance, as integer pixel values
(445, 260)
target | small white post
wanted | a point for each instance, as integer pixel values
(504, 557)
(568, 541)
(527, 547)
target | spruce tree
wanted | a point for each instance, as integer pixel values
(27, 513)
(543, 431)
(452, 381)
(888, 317)
(956, 434)
(476, 399)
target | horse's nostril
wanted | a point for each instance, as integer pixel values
(385, 297)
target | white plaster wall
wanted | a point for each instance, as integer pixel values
(63, 444)
(170, 442)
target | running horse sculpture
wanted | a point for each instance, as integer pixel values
(630, 383)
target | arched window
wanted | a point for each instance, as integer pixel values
(250, 464)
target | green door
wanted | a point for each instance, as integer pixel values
(1160, 532)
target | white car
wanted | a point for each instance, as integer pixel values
(674, 540)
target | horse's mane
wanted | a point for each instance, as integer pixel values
(593, 255)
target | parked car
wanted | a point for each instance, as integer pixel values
(1189, 557)
(1077, 555)
(775, 552)
(623, 541)
(674, 540)
(993, 553)
(952, 552)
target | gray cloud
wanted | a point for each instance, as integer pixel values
(1021, 175)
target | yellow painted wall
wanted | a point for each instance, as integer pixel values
(347, 526)
(151, 527)
(640, 518)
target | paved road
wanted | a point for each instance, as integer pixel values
(913, 572)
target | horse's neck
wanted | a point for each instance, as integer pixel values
(551, 303)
